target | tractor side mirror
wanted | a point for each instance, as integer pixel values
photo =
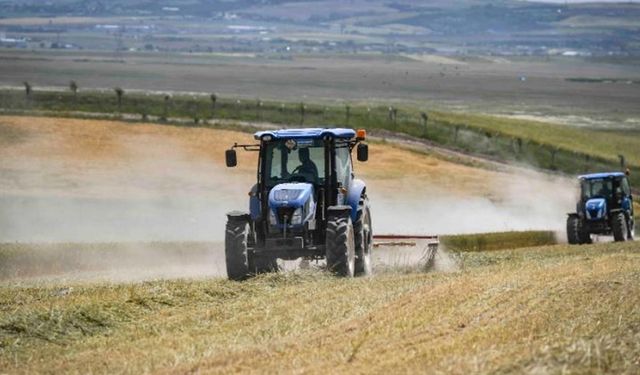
(231, 158)
(363, 152)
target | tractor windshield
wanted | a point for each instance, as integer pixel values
(299, 160)
(600, 187)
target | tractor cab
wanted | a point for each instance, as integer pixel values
(605, 207)
(306, 203)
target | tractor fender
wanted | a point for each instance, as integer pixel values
(239, 216)
(356, 190)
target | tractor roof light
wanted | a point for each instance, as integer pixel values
(361, 134)
(267, 138)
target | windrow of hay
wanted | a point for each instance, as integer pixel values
(498, 241)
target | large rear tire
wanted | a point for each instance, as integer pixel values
(340, 246)
(363, 237)
(619, 226)
(236, 249)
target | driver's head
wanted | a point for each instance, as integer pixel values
(303, 154)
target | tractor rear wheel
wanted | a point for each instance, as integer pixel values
(574, 230)
(236, 249)
(363, 237)
(619, 226)
(340, 246)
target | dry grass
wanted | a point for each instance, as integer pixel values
(549, 309)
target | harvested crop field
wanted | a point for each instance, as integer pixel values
(537, 310)
(111, 262)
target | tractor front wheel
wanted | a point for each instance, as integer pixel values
(236, 249)
(577, 234)
(573, 230)
(619, 226)
(340, 246)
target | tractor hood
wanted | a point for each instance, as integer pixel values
(291, 205)
(292, 195)
(596, 208)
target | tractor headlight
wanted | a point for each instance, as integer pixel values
(272, 218)
(296, 218)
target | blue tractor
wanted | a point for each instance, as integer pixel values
(605, 208)
(306, 204)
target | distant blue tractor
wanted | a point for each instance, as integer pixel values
(306, 204)
(605, 207)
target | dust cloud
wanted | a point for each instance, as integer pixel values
(151, 188)
(527, 201)
(154, 193)
(140, 207)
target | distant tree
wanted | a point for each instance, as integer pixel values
(623, 161)
(119, 94)
(73, 86)
(425, 118)
(393, 114)
(238, 107)
(214, 100)
(347, 109)
(165, 107)
(194, 110)
(553, 152)
(259, 105)
(28, 89)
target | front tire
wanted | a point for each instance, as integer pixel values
(363, 237)
(577, 234)
(236, 249)
(340, 246)
(573, 230)
(619, 226)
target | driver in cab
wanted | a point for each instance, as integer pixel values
(307, 167)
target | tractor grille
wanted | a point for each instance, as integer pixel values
(593, 213)
(285, 211)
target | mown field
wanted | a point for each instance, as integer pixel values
(569, 309)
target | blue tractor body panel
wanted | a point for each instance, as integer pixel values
(305, 133)
(254, 207)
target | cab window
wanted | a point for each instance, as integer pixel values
(343, 166)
